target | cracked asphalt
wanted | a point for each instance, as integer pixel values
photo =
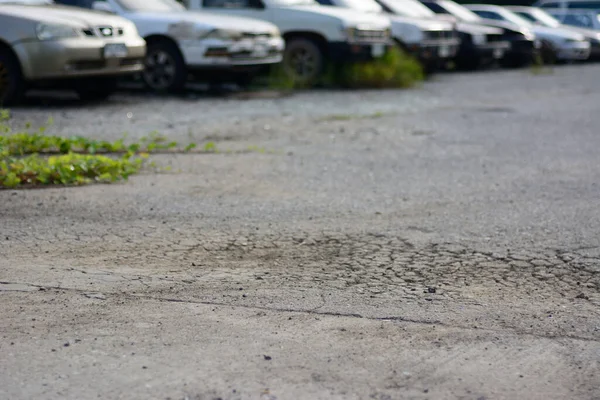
(434, 243)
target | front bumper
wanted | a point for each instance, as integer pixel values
(574, 51)
(434, 50)
(78, 57)
(522, 49)
(218, 53)
(356, 52)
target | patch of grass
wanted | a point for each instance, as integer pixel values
(30, 159)
(395, 69)
(66, 169)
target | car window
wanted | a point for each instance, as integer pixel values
(584, 4)
(550, 5)
(436, 8)
(489, 15)
(226, 3)
(525, 15)
(76, 3)
(325, 2)
(582, 20)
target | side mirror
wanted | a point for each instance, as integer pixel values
(103, 6)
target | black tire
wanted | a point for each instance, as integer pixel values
(548, 53)
(12, 86)
(97, 89)
(303, 61)
(165, 69)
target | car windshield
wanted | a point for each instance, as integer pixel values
(545, 19)
(369, 6)
(514, 18)
(150, 5)
(459, 11)
(408, 8)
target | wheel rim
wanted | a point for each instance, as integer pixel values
(303, 63)
(4, 80)
(160, 70)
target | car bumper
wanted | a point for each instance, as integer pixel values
(492, 50)
(75, 58)
(524, 49)
(355, 52)
(217, 53)
(433, 50)
(574, 51)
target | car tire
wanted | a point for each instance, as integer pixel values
(303, 61)
(97, 90)
(12, 86)
(548, 53)
(165, 69)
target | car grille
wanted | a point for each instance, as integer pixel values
(104, 31)
(252, 35)
(494, 38)
(440, 35)
(363, 35)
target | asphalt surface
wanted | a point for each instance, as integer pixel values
(440, 242)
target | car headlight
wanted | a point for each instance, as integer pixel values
(350, 33)
(479, 38)
(222, 34)
(55, 31)
(528, 35)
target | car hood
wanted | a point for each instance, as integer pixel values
(588, 33)
(347, 16)
(205, 19)
(423, 24)
(58, 14)
(556, 33)
(505, 26)
(472, 28)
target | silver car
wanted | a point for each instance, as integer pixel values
(48, 45)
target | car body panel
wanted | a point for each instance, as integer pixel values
(330, 23)
(569, 45)
(71, 57)
(260, 41)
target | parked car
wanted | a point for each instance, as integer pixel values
(313, 34)
(480, 43)
(182, 42)
(569, 4)
(430, 40)
(45, 45)
(581, 18)
(567, 45)
(540, 17)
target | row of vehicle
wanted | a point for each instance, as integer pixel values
(87, 45)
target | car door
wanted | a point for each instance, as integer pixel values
(242, 8)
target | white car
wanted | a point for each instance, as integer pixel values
(541, 17)
(430, 40)
(182, 42)
(313, 34)
(589, 19)
(569, 4)
(566, 44)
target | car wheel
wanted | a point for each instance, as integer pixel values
(97, 90)
(548, 53)
(303, 61)
(165, 69)
(11, 79)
